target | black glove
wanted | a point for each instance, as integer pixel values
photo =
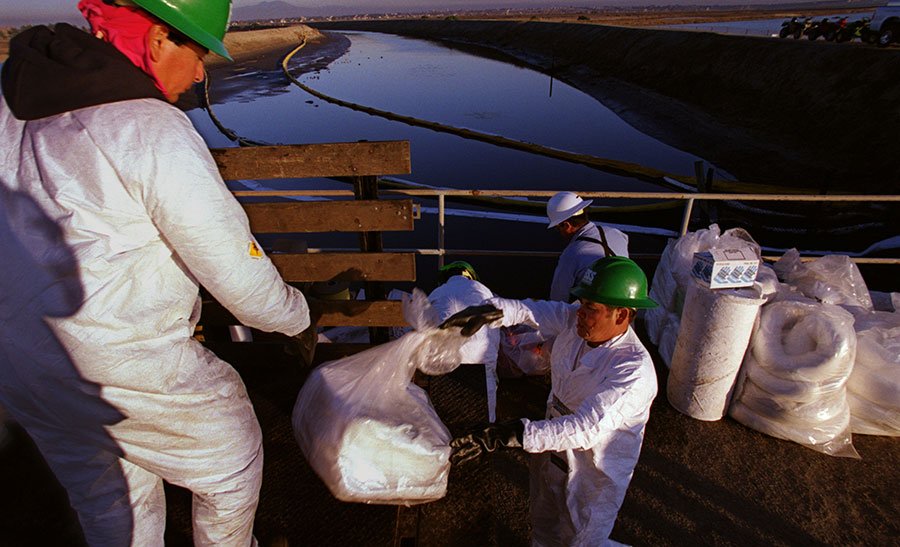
(303, 345)
(485, 439)
(473, 318)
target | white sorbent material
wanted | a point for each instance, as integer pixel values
(715, 329)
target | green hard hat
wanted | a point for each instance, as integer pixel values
(203, 21)
(615, 281)
(459, 267)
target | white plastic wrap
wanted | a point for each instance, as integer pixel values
(792, 383)
(672, 276)
(526, 350)
(371, 434)
(874, 384)
(832, 279)
(715, 329)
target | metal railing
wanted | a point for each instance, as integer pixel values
(689, 199)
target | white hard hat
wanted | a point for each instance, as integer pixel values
(564, 205)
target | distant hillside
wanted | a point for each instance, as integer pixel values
(274, 9)
(279, 9)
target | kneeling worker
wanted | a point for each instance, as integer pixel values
(603, 383)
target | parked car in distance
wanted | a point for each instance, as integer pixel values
(886, 23)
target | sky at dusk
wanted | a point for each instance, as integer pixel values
(45, 11)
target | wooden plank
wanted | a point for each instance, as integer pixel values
(361, 313)
(346, 266)
(334, 313)
(347, 159)
(331, 216)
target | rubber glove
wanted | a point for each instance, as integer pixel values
(487, 438)
(471, 319)
(303, 345)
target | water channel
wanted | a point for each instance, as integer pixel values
(428, 81)
(433, 82)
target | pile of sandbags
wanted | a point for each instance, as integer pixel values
(370, 433)
(715, 329)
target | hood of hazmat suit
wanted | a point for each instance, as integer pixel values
(97, 359)
(458, 293)
(596, 415)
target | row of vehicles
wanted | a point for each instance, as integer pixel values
(883, 28)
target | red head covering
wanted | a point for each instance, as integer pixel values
(124, 27)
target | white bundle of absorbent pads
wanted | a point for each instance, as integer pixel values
(792, 384)
(673, 277)
(873, 389)
(370, 433)
(715, 329)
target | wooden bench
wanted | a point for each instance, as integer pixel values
(357, 163)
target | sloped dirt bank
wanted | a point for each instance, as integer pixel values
(798, 113)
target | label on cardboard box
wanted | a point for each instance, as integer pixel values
(726, 268)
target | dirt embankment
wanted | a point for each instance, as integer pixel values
(244, 45)
(770, 111)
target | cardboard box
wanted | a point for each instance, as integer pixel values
(726, 268)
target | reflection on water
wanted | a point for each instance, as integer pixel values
(428, 81)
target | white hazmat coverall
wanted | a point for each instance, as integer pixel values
(587, 447)
(458, 293)
(113, 215)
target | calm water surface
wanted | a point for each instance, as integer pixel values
(426, 80)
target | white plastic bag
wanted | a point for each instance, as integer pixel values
(792, 384)
(524, 351)
(671, 278)
(832, 279)
(370, 433)
(874, 384)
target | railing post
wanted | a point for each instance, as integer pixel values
(686, 219)
(371, 242)
(441, 230)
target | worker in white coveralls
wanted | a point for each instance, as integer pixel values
(603, 383)
(115, 214)
(459, 289)
(585, 242)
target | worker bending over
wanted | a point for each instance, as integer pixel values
(459, 289)
(603, 383)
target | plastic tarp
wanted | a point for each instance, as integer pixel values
(370, 433)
